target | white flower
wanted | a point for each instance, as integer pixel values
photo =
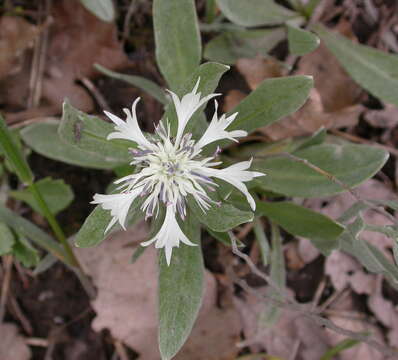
(169, 169)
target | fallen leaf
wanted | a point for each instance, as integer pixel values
(16, 35)
(78, 40)
(337, 91)
(12, 344)
(257, 69)
(233, 98)
(127, 301)
(361, 351)
(280, 338)
(385, 118)
(385, 312)
(345, 271)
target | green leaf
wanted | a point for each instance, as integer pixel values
(272, 100)
(220, 218)
(25, 252)
(255, 12)
(301, 41)
(7, 239)
(374, 70)
(180, 291)
(146, 85)
(102, 9)
(262, 240)
(278, 274)
(337, 349)
(351, 164)
(209, 74)
(315, 139)
(89, 133)
(177, 39)
(224, 238)
(32, 232)
(230, 46)
(92, 231)
(56, 194)
(300, 221)
(14, 154)
(367, 254)
(44, 139)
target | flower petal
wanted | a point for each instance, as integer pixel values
(118, 204)
(186, 107)
(128, 129)
(216, 130)
(236, 175)
(169, 235)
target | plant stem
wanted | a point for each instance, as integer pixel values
(62, 239)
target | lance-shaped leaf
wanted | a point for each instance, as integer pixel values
(146, 85)
(7, 239)
(32, 232)
(232, 45)
(93, 229)
(180, 291)
(43, 138)
(255, 12)
(14, 154)
(221, 218)
(350, 164)
(297, 220)
(374, 70)
(301, 41)
(56, 194)
(272, 100)
(89, 134)
(177, 38)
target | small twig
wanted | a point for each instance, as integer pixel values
(96, 93)
(295, 350)
(244, 230)
(127, 19)
(120, 350)
(16, 309)
(39, 342)
(39, 59)
(255, 270)
(7, 262)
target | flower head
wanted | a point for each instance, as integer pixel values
(169, 169)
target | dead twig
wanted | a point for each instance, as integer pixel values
(5, 287)
(96, 93)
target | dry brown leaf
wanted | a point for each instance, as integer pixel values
(280, 339)
(127, 301)
(78, 40)
(385, 118)
(310, 118)
(16, 35)
(257, 69)
(233, 98)
(362, 350)
(336, 89)
(12, 344)
(385, 312)
(345, 271)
